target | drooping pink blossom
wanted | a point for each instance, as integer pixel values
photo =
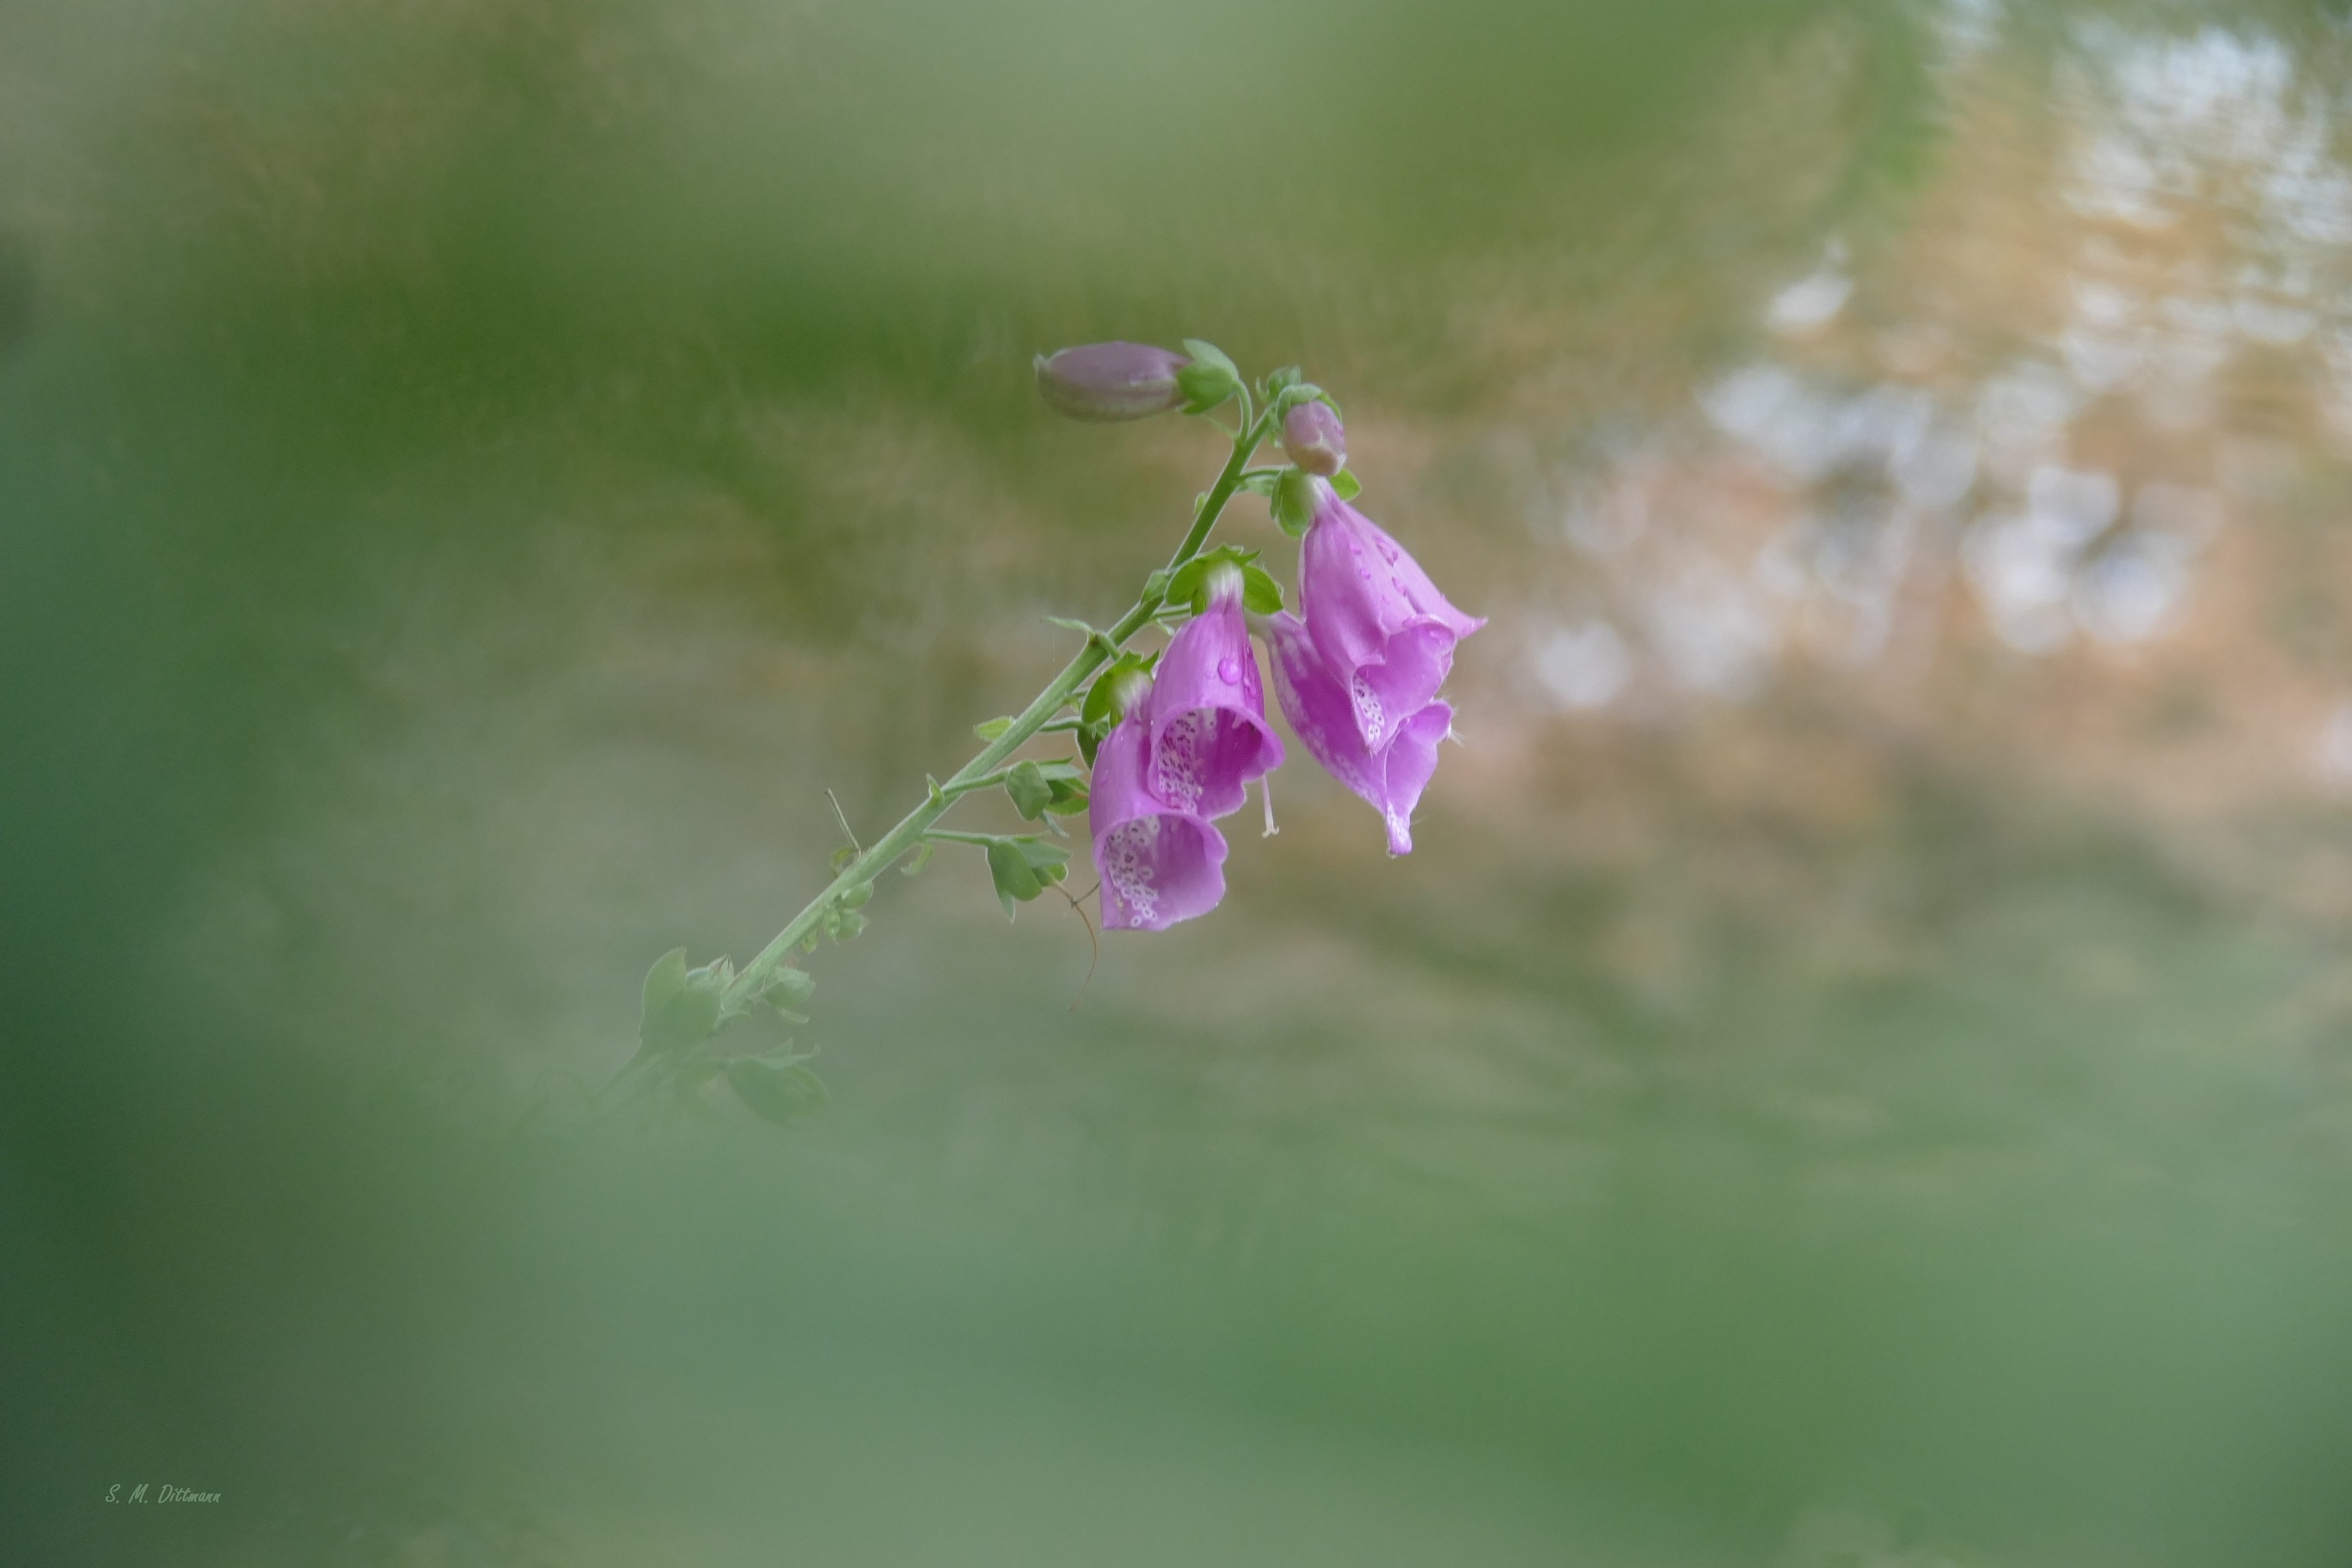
(1382, 627)
(1207, 709)
(1321, 711)
(1158, 863)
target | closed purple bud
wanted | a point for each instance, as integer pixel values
(1158, 866)
(1380, 624)
(1209, 733)
(1315, 439)
(1110, 381)
(1390, 777)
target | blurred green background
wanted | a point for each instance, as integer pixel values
(1858, 1070)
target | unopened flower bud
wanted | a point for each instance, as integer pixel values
(1110, 381)
(1315, 439)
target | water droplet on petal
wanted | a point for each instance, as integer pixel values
(1229, 671)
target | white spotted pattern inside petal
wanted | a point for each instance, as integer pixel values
(1127, 865)
(1179, 764)
(1371, 716)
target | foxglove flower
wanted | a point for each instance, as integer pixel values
(1110, 381)
(1313, 438)
(1159, 865)
(1382, 627)
(1391, 776)
(1207, 709)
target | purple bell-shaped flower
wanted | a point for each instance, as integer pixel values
(1325, 715)
(1382, 627)
(1158, 863)
(1207, 709)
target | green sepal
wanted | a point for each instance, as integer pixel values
(1097, 710)
(1260, 595)
(778, 1092)
(1296, 392)
(1294, 501)
(843, 857)
(1283, 380)
(855, 898)
(1261, 481)
(1210, 380)
(1346, 485)
(992, 729)
(918, 860)
(680, 1006)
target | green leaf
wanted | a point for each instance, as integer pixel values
(1015, 878)
(781, 1093)
(1260, 595)
(1094, 635)
(1047, 860)
(680, 1006)
(1030, 792)
(1294, 501)
(921, 859)
(993, 729)
(1090, 740)
(1283, 380)
(1069, 789)
(1346, 484)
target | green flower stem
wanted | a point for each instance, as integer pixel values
(1257, 428)
(947, 836)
